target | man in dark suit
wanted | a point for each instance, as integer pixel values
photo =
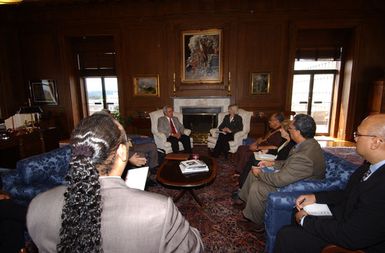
(231, 124)
(174, 130)
(305, 161)
(358, 220)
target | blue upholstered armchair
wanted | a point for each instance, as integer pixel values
(37, 174)
(280, 204)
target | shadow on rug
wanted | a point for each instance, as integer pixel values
(216, 220)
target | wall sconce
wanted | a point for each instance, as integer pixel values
(229, 85)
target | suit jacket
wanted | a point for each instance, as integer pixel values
(132, 221)
(235, 126)
(164, 125)
(305, 161)
(358, 213)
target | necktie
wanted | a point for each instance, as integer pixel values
(173, 130)
(366, 175)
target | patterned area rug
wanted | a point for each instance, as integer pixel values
(216, 220)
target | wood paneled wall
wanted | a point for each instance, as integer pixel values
(258, 36)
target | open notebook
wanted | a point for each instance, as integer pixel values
(136, 178)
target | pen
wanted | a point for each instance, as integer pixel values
(300, 203)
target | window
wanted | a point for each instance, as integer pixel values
(101, 93)
(313, 86)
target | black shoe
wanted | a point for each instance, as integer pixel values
(235, 194)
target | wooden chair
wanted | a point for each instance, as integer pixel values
(337, 249)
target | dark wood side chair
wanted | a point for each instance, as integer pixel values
(337, 249)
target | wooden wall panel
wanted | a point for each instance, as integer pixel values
(260, 49)
(258, 36)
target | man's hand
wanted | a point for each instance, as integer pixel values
(299, 215)
(256, 170)
(4, 195)
(265, 163)
(137, 160)
(304, 200)
(176, 135)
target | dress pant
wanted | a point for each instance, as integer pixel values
(255, 192)
(175, 145)
(222, 145)
(12, 226)
(294, 239)
(243, 155)
(245, 171)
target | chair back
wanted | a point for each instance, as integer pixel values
(155, 115)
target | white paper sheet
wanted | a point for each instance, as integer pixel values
(136, 178)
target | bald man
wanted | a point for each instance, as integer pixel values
(358, 220)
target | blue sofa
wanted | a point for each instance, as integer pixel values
(279, 205)
(37, 174)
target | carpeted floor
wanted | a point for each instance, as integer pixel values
(216, 220)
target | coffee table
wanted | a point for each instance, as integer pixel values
(169, 175)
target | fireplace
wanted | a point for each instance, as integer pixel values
(200, 114)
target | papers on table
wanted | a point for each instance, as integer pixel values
(318, 210)
(259, 156)
(136, 178)
(193, 166)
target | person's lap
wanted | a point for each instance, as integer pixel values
(294, 239)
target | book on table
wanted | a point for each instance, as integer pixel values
(193, 166)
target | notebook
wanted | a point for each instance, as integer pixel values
(318, 210)
(136, 178)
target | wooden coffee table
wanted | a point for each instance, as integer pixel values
(169, 175)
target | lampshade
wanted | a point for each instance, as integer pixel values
(10, 1)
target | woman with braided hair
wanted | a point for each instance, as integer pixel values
(96, 211)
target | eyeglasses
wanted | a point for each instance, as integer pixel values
(356, 135)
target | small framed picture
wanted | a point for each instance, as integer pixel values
(260, 83)
(43, 92)
(146, 85)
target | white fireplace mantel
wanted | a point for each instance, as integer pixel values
(180, 102)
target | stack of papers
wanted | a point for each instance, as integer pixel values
(318, 210)
(259, 156)
(193, 166)
(136, 178)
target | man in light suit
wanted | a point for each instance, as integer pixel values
(174, 130)
(130, 220)
(358, 220)
(305, 161)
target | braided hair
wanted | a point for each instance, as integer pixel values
(94, 143)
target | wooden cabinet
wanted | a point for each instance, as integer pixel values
(21, 145)
(377, 97)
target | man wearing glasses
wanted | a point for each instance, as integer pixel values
(305, 161)
(358, 220)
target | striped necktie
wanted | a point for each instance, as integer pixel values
(366, 175)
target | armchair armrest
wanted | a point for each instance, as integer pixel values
(159, 137)
(240, 135)
(214, 132)
(187, 131)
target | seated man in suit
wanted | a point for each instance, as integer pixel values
(173, 129)
(358, 220)
(305, 161)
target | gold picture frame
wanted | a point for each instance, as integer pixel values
(146, 85)
(202, 56)
(260, 83)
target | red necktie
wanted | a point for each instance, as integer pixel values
(173, 131)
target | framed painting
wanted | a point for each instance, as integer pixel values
(146, 85)
(202, 56)
(43, 92)
(260, 83)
